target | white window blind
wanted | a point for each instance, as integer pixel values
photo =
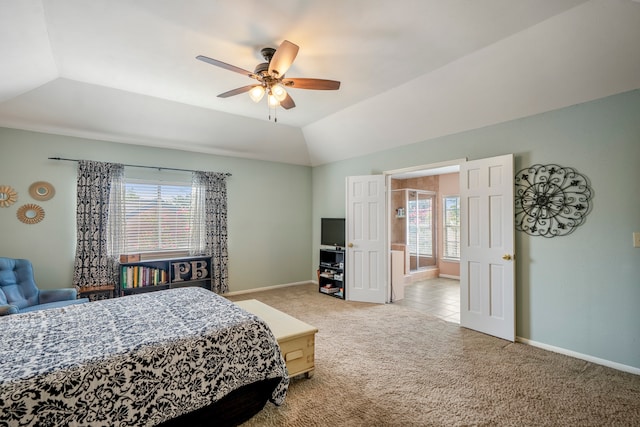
(157, 216)
(451, 238)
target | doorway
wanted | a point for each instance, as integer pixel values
(486, 265)
(430, 279)
(416, 222)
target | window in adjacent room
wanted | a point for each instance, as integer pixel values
(451, 228)
(157, 216)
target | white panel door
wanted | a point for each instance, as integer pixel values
(487, 266)
(366, 257)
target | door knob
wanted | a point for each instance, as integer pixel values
(507, 257)
(350, 245)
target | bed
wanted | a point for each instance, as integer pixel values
(182, 356)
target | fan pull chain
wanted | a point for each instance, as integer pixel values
(275, 113)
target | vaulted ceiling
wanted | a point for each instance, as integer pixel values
(125, 70)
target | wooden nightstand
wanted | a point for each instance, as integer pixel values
(95, 293)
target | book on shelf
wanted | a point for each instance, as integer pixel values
(138, 276)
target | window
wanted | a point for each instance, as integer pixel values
(451, 229)
(157, 216)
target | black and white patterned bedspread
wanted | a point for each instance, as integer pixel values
(132, 361)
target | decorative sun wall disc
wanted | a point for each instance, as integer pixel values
(8, 196)
(30, 213)
(41, 190)
(551, 200)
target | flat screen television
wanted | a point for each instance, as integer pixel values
(332, 232)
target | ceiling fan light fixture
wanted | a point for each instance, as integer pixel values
(256, 93)
(270, 78)
(279, 92)
(273, 101)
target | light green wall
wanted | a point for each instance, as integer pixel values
(578, 292)
(269, 207)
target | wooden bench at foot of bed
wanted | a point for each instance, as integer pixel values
(295, 338)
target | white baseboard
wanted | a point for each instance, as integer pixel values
(267, 288)
(592, 359)
(449, 276)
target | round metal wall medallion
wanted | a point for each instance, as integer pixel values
(551, 200)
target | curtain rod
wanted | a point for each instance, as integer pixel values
(139, 166)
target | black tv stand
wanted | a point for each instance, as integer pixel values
(331, 272)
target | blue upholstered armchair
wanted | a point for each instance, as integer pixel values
(19, 293)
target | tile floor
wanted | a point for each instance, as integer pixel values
(439, 297)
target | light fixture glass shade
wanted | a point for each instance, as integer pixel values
(256, 93)
(279, 92)
(273, 101)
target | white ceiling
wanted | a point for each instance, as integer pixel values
(125, 70)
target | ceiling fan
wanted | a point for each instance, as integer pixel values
(270, 76)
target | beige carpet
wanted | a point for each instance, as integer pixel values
(388, 365)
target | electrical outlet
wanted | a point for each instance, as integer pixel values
(636, 240)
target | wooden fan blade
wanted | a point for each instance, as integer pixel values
(316, 84)
(287, 103)
(225, 66)
(237, 91)
(283, 58)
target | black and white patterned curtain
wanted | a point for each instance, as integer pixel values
(99, 223)
(209, 226)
